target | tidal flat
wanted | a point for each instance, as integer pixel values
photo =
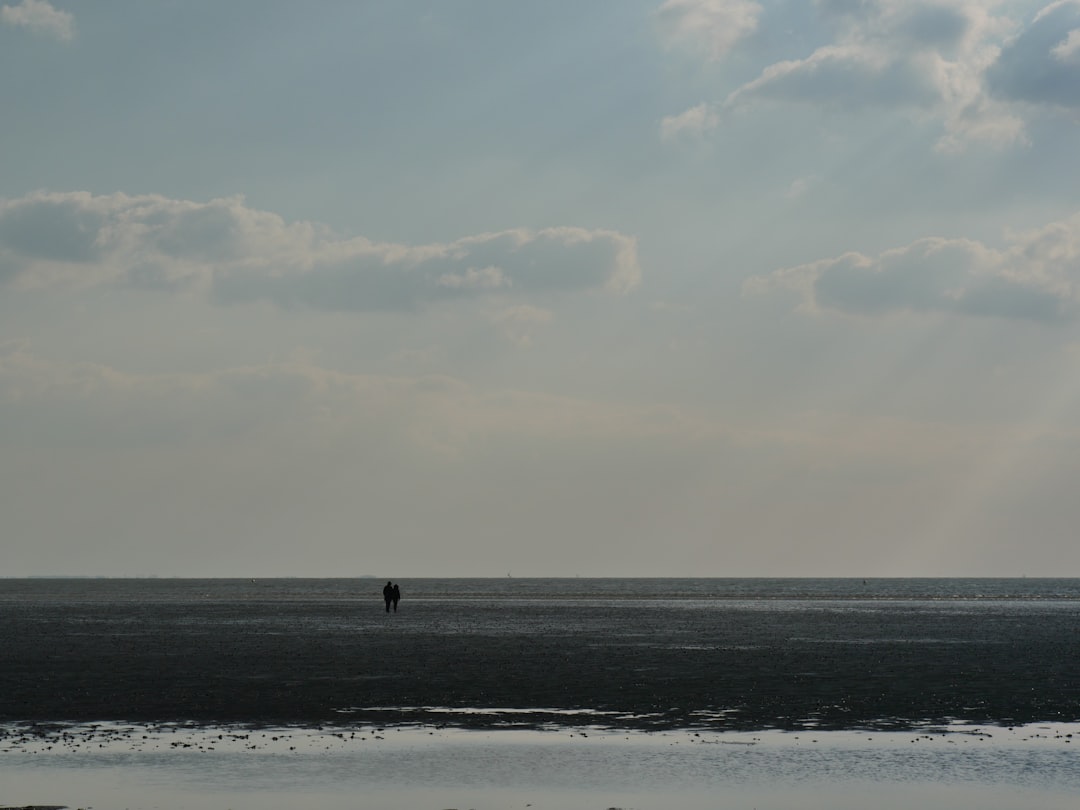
(674, 694)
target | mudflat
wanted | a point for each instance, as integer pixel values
(644, 663)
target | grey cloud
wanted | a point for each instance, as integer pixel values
(382, 278)
(934, 26)
(240, 254)
(59, 229)
(361, 284)
(878, 289)
(556, 258)
(1004, 298)
(852, 8)
(1037, 278)
(205, 232)
(919, 277)
(1030, 70)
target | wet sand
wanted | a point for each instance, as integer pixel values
(643, 665)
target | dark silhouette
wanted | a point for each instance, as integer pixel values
(388, 594)
(397, 596)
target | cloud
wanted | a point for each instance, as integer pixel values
(237, 254)
(851, 76)
(41, 18)
(717, 24)
(486, 278)
(695, 121)
(1042, 64)
(927, 59)
(1068, 50)
(800, 186)
(923, 56)
(1037, 277)
(519, 323)
(63, 228)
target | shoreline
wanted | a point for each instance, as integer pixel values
(113, 736)
(496, 720)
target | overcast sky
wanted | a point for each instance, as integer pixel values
(605, 288)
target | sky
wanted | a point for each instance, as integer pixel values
(470, 288)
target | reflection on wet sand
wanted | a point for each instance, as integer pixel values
(168, 766)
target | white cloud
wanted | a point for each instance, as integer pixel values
(237, 254)
(800, 186)
(41, 18)
(946, 61)
(486, 278)
(1037, 277)
(850, 75)
(1068, 50)
(924, 56)
(695, 121)
(717, 24)
(519, 323)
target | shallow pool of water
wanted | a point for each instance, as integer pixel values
(413, 768)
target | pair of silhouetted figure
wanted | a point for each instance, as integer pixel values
(391, 593)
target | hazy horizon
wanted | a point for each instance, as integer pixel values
(379, 578)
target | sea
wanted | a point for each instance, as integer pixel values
(515, 589)
(1009, 741)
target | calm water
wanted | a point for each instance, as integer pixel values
(511, 589)
(761, 652)
(433, 769)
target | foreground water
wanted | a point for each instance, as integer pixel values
(412, 768)
(674, 694)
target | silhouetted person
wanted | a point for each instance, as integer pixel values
(396, 595)
(388, 594)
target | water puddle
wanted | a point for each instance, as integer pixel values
(174, 767)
